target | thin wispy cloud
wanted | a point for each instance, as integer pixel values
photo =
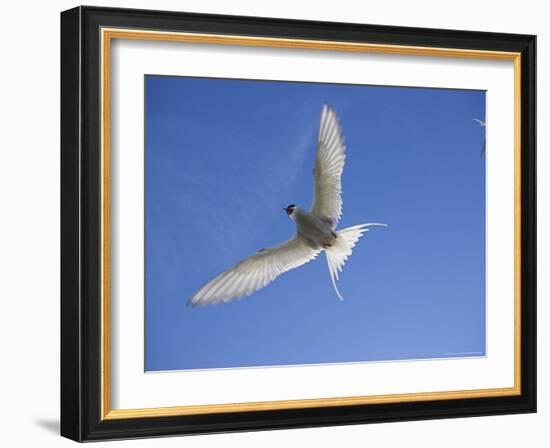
(224, 216)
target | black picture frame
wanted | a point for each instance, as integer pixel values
(81, 224)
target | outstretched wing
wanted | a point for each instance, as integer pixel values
(329, 164)
(255, 272)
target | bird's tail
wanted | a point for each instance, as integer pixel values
(341, 249)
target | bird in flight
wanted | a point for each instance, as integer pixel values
(483, 124)
(315, 229)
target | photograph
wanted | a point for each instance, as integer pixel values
(274, 222)
(307, 223)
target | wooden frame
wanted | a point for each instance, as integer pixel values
(86, 34)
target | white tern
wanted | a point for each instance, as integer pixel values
(315, 229)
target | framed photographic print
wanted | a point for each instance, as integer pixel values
(274, 223)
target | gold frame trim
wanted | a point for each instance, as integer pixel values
(107, 35)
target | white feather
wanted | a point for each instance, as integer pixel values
(342, 249)
(329, 165)
(255, 272)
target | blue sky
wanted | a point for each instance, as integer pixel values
(223, 157)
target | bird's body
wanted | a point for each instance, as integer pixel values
(316, 229)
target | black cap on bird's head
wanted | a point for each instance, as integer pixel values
(289, 209)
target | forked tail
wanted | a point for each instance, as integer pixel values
(342, 249)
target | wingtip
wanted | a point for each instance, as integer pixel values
(192, 303)
(327, 107)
